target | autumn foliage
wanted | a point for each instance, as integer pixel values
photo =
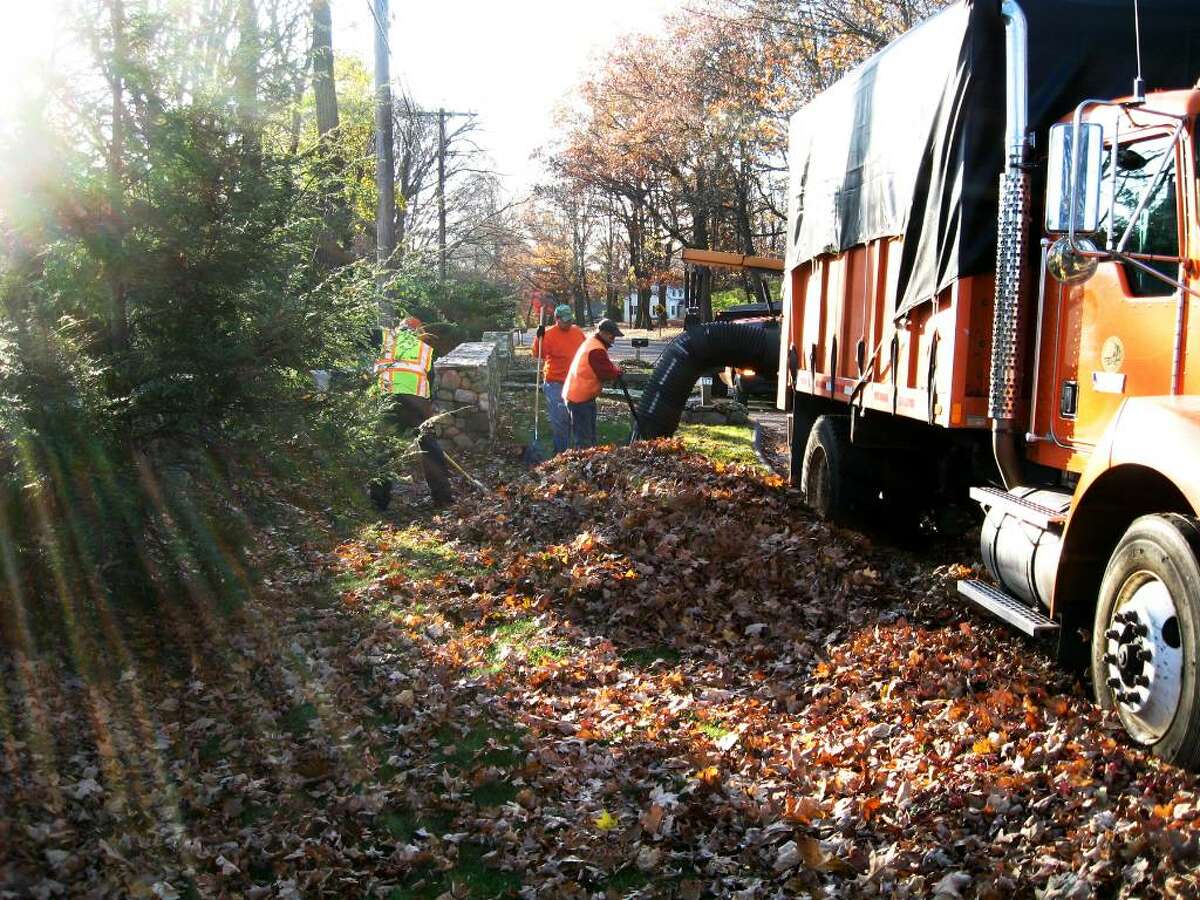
(633, 673)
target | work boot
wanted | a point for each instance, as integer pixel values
(380, 492)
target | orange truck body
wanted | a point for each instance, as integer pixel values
(1135, 428)
(836, 304)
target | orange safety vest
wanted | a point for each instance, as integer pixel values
(582, 384)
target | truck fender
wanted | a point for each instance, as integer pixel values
(1143, 464)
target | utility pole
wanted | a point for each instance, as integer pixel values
(385, 175)
(442, 194)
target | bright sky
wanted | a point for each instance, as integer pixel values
(510, 61)
(27, 46)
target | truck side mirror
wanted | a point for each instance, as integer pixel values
(1073, 178)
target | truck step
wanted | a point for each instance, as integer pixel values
(1044, 517)
(1010, 609)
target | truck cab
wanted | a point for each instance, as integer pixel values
(1119, 329)
(1115, 412)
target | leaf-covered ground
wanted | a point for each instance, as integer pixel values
(633, 672)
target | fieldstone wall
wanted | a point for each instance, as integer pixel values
(504, 348)
(468, 388)
(719, 412)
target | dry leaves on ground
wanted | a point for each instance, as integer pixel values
(626, 673)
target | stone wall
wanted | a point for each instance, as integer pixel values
(504, 347)
(467, 382)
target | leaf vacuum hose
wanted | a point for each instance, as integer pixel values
(698, 351)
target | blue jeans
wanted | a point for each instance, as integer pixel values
(583, 423)
(556, 412)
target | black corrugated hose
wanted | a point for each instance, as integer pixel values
(696, 352)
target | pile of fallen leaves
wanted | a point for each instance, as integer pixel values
(629, 673)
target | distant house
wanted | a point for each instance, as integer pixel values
(675, 307)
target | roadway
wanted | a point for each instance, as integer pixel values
(623, 350)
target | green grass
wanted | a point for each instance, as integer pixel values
(481, 744)
(348, 582)
(737, 296)
(521, 638)
(721, 443)
(712, 730)
(613, 431)
(402, 824)
(645, 657)
(411, 553)
(623, 881)
(423, 556)
(210, 750)
(493, 793)
(613, 424)
(471, 877)
(539, 656)
(297, 720)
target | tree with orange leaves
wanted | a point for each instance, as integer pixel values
(686, 131)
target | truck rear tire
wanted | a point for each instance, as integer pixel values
(1146, 637)
(828, 476)
(800, 425)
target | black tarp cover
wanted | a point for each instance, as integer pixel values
(911, 142)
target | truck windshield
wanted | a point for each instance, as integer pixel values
(1156, 230)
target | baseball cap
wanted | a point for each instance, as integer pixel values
(563, 311)
(608, 326)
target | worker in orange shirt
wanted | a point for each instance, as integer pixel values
(556, 346)
(590, 369)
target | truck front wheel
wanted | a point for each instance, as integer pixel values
(1147, 636)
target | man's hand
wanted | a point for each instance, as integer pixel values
(541, 332)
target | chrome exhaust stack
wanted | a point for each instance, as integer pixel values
(1012, 238)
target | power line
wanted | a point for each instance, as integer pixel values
(379, 26)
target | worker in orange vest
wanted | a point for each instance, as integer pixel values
(589, 370)
(557, 346)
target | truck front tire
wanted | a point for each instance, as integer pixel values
(1146, 636)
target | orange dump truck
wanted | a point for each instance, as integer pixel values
(992, 288)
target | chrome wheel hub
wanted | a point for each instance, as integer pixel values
(1144, 657)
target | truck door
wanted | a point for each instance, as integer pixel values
(1115, 334)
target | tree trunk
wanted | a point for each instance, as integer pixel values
(704, 289)
(581, 310)
(324, 89)
(249, 53)
(637, 262)
(701, 291)
(751, 283)
(118, 323)
(613, 308)
(612, 303)
(643, 318)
